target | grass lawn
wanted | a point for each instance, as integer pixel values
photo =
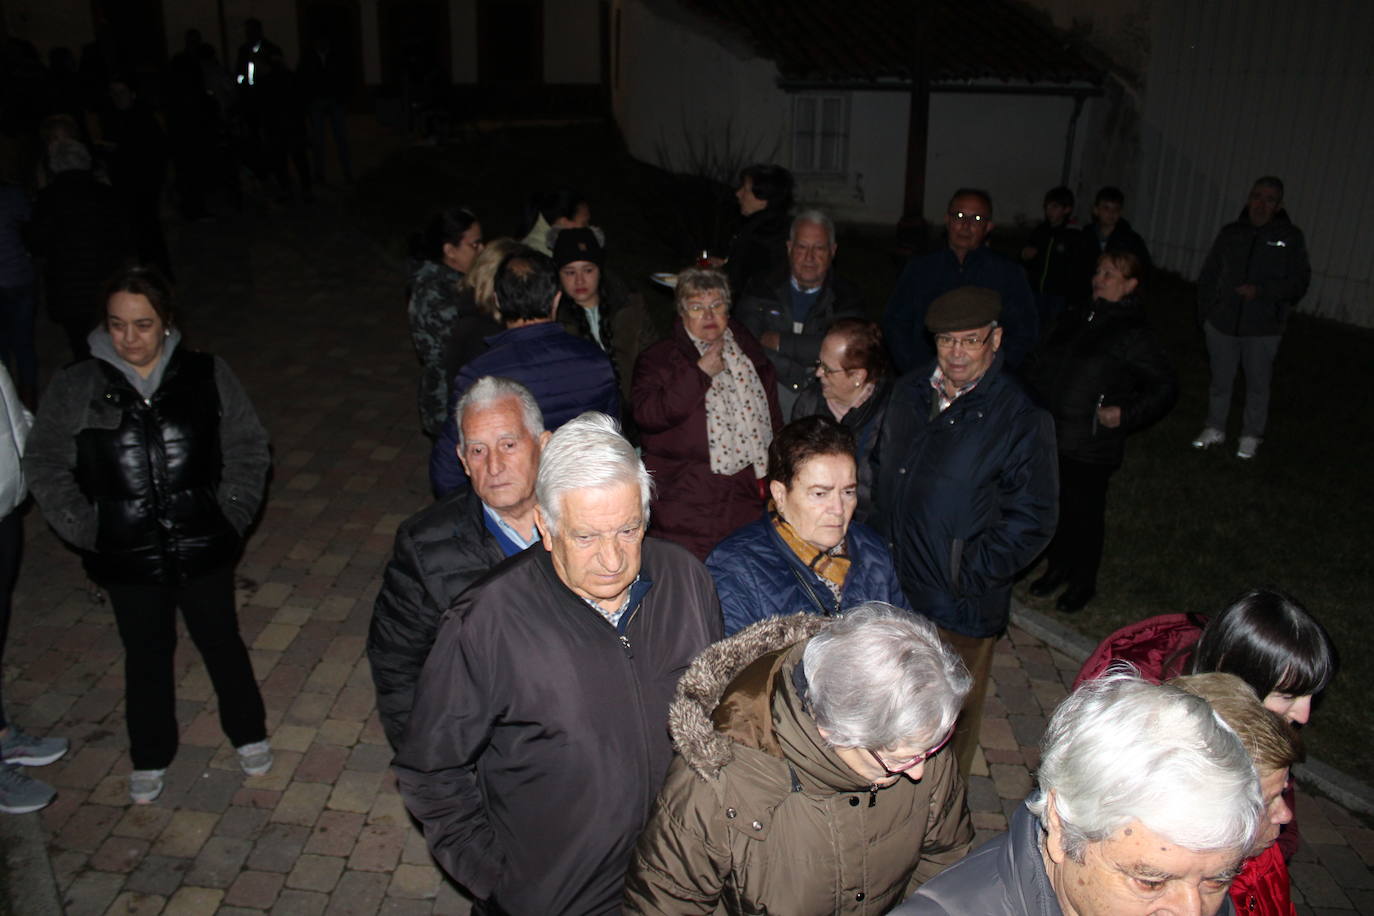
(1186, 530)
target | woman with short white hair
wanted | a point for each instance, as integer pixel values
(809, 776)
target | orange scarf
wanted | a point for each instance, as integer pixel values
(831, 565)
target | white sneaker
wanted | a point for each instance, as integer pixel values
(145, 785)
(1209, 437)
(255, 759)
(1249, 445)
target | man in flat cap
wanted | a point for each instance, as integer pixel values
(967, 486)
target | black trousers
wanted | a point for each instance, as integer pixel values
(11, 546)
(1076, 551)
(146, 616)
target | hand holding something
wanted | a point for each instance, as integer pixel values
(1109, 417)
(771, 339)
(712, 361)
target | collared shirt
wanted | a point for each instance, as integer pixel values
(633, 595)
(511, 541)
(937, 381)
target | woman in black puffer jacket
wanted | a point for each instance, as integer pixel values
(1103, 375)
(151, 461)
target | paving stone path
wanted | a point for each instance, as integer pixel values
(311, 316)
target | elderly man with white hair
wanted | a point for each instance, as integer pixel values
(1147, 805)
(810, 778)
(539, 733)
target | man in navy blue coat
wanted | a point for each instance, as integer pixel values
(566, 374)
(967, 486)
(965, 261)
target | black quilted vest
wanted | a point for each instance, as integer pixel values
(151, 468)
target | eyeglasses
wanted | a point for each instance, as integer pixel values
(696, 308)
(961, 216)
(967, 344)
(914, 761)
(823, 368)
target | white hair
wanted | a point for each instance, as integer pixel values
(879, 677)
(490, 390)
(1121, 749)
(819, 217)
(588, 452)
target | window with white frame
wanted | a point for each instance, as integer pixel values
(820, 133)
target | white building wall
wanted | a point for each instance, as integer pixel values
(874, 186)
(1242, 88)
(683, 95)
(462, 20)
(50, 23)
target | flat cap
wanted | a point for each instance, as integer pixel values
(964, 309)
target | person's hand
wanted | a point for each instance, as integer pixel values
(712, 362)
(1247, 291)
(771, 339)
(1109, 417)
(1029, 252)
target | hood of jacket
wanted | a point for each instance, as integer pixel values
(102, 348)
(742, 691)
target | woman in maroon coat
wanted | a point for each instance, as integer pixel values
(706, 403)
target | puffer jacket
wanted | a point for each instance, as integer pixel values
(758, 815)
(966, 497)
(15, 421)
(1104, 355)
(156, 491)
(439, 553)
(768, 307)
(693, 506)
(1273, 257)
(757, 576)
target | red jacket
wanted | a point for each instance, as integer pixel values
(1159, 647)
(693, 507)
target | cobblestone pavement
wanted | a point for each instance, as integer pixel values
(310, 314)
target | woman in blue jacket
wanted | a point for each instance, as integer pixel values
(804, 554)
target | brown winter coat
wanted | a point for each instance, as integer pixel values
(758, 815)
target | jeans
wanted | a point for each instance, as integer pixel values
(16, 335)
(1255, 355)
(11, 547)
(146, 616)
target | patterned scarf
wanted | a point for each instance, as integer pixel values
(738, 425)
(831, 565)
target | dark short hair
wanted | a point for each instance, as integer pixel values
(525, 285)
(1271, 642)
(147, 282)
(445, 228)
(863, 346)
(772, 184)
(1060, 195)
(1110, 194)
(1127, 262)
(800, 441)
(1270, 181)
(979, 193)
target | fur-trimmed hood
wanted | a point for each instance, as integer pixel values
(700, 690)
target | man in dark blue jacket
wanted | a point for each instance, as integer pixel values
(566, 374)
(965, 262)
(967, 486)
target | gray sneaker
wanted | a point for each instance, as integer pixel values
(145, 786)
(255, 759)
(20, 793)
(1249, 447)
(26, 750)
(1208, 438)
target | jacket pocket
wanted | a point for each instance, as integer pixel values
(956, 560)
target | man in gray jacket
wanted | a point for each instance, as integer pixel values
(1147, 804)
(19, 792)
(1255, 273)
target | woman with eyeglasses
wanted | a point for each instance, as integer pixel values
(706, 403)
(1104, 376)
(853, 384)
(812, 775)
(447, 249)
